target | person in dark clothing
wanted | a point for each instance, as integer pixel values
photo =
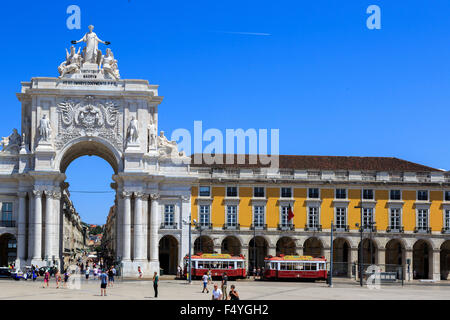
(233, 295)
(155, 283)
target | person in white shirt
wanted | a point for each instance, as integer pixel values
(216, 293)
(205, 283)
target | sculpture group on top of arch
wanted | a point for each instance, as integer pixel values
(90, 59)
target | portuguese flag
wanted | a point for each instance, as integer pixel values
(290, 213)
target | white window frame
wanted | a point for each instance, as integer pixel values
(346, 194)
(166, 205)
(401, 195)
(309, 214)
(253, 192)
(237, 191)
(345, 216)
(446, 228)
(443, 196)
(373, 194)
(200, 214)
(400, 218)
(236, 214)
(428, 195)
(263, 214)
(210, 191)
(373, 216)
(417, 219)
(281, 193)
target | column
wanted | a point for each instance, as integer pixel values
(272, 251)
(184, 227)
(327, 253)
(382, 258)
(37, 226)
(126, 240)
(299, 251)
(436, 276)
(30, 226)
(49, 226)
(244, 252)
(21, 226)
(57, 224)
(154, 224)
(354, 261)
(408, 269)
(138, 232)
(119, 226)
(144, 249)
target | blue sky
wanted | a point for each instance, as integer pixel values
(332, 86)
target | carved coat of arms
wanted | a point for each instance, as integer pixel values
(88, 117)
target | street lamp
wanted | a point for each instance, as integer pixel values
(361, 258)
(331, 257)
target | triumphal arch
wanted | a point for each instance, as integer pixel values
(89, 110)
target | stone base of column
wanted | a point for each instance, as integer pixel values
(130, 268)
(38, 262)
(436, 277)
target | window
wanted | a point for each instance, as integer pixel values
(395, 195)
(447, 220)
(231, 216)
(446, 195)
(313, 193)
(258, 192)
(232, 192)
(395, 219)
(422, 219)
(341, 194)
(284, 216)
(313, 217)
(341, 221)
(204, 216)
(258, 216)
(286, 192)
(169, 215)
(367, 218)
(367, 194)
(422, 195)
(7, 211)
(205, 191)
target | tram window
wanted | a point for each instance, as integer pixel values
(283, 266)
(313, 266)
(307, 266)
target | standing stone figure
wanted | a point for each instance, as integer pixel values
(45, 130)
(151, 135)
(133, 132)
(90, 52)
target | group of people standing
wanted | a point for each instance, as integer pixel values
(219, 294)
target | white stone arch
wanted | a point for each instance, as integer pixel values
(89, 145)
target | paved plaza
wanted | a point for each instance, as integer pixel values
(248, 290)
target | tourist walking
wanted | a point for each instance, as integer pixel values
(66, 278)
(216, 293)
(46, 277)
(88, 270)
(103, 283)
(140, 272)
(224, 285)
(233, 294)
(155, 283)
(205, 283)
(57, 278)
(110, 277)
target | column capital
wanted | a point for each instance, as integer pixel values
(56, 195)
(48, 193)
(185, 198)
(138, 195)
(154, 196)
(145, 197)
(125, 194)
(22, 194)
(37, 193)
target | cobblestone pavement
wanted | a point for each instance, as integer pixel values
(248, 290)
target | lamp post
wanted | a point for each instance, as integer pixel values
(361, 258)
(331, 258)
(190, 245)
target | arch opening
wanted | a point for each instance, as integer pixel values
(168, 254)
(257, 251)
(203, 244)
(341, 258)
(422, 260)
(445, 260)
(8, 249)
(286, 246)
(313, 247)
(231, 245)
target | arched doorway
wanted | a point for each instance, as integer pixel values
(203, 244)
(231, 245)
(445, 260)
(168, 254)
(257, 251)
(8, 249)
(422, 260)
(395, 256)
(286, 245)
(341, 257)
(313, 247)
(369, 251)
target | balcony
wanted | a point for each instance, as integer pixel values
(258, 227)
(422, 230)
(341, 228)
(172, 225)
(286, 227)
(317, 227)
(368, 228)
(7, 223)
(231, 226)
(204, 226)
(400, 229)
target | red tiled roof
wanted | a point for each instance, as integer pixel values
(327, 163)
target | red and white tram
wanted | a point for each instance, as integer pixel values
(295, 267)
(234, 266)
